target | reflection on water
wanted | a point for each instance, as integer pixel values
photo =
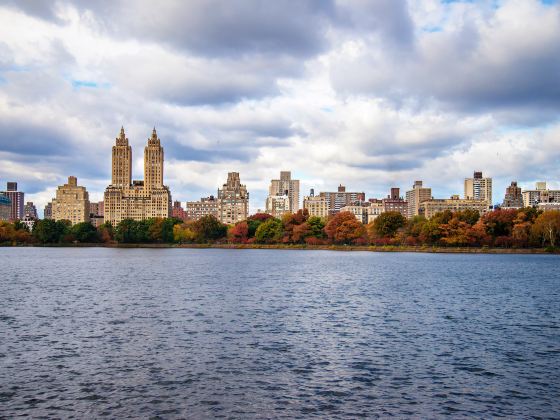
(268, 333)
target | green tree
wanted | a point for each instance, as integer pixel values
(388, 223)
(85, 232)
(316, 226)
(48, 231)
(270, 231)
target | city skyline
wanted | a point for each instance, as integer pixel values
(368, 95)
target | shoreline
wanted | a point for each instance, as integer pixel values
(304, 247)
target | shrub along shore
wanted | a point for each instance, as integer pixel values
(505, 231)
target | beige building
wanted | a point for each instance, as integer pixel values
(71, 202)
(278, 205)
(206, 206)
(316, 205)
(341, 198)
(416, 196)
(365, 212)
(430, 207)
(286, 186)
(233, 200)
(479, 188)
(137, 200)
(541, 194)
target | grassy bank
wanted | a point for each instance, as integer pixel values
(389, 248)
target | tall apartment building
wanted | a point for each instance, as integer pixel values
(286, 186)
(30, 211)
(394, 202)
(513, 198)
(417, 196)
(16, 198)
(137, 200)
(47, 212)
(233, 200)
(541, 194)
(478, 188)
(341, 198)
(5, 207)
(71, 202)
(316, 205)
(454, 204)
(206, 206)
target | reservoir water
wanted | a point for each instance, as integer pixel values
(184, 333)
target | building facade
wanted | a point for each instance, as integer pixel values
(286, 186)
(513, 198)
(341, 198)
(541, 194)
(454, 204)
(139, 200)
(71, 202)
(16, 198)
(394, 202)
(417, 196)
(278, 205)
(47, 212)
(479, 188)
(30, 211)
(233, 200)
(316, 205)
(5, 207)
(178, 211)
(207, 206)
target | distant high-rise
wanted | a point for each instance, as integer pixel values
(341, 198)
(71, 202)
(47, 212)
(16, 198)
(513, 197)
(285, 186)
(394, 202)
(30, 211)
(233, 200)
(417, 196)
(541, 194)
(5, 207)
(316, 205)
(138, 200)
(479, 188)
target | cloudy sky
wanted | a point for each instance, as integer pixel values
(370, 94)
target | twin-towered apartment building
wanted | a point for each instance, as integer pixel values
(149, 198)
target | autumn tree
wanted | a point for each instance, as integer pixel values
(547, 228)
(239, 233)
(344, 228)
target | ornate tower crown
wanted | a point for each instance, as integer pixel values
(122, 140)
(153, 141)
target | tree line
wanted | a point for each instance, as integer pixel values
(519, 228)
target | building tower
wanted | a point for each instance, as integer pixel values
(416, 196)
(122, 162)
(286, 186)
(513, 197)
(233, 200)
(153, 163)
(479, 188)
(71, 202)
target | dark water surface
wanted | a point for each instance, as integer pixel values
(174, 333)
